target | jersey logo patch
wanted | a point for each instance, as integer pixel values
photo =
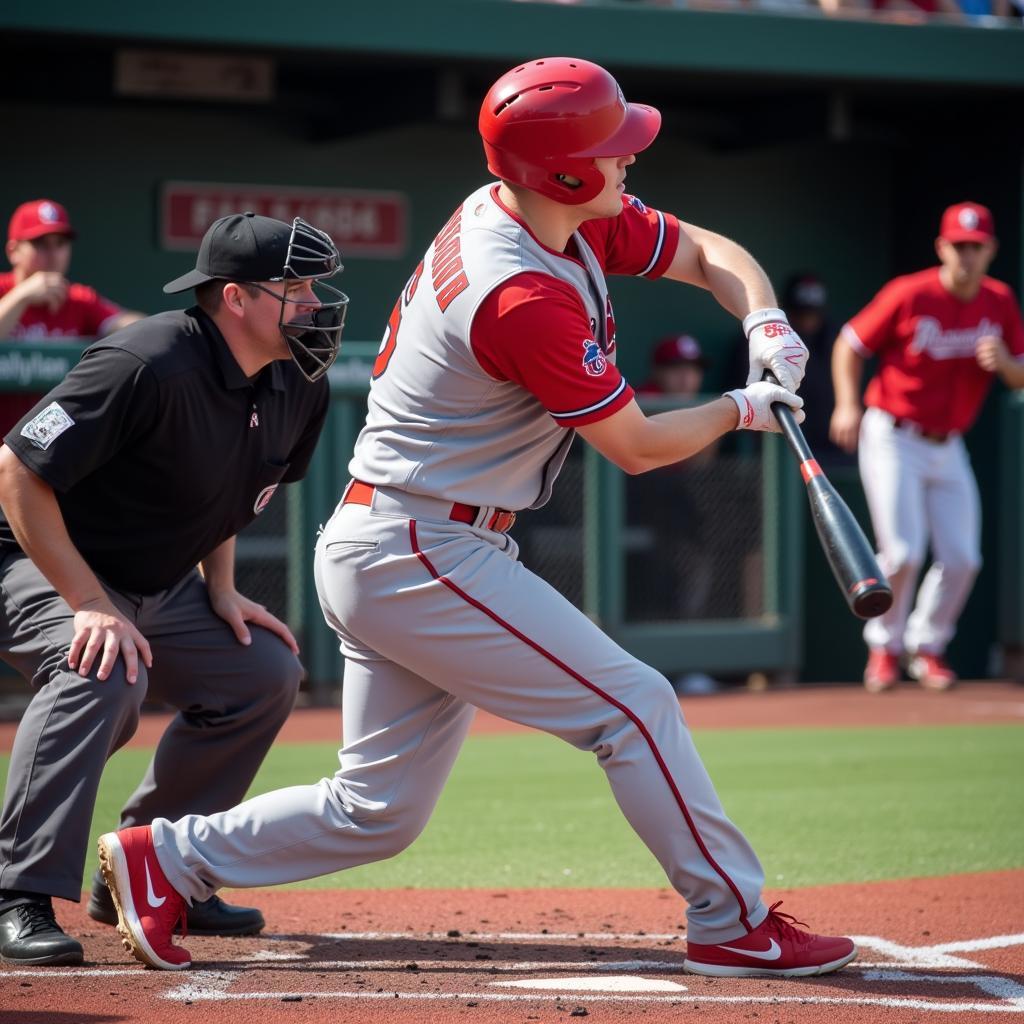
(42, 430)
(594, 361)
(263, 498)
(636, 204)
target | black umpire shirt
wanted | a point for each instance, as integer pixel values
(159, 448)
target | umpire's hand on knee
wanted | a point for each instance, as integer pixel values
(237, 610)
(102, 628)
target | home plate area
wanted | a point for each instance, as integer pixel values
(929, 948)
(594, 972)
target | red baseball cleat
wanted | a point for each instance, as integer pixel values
(148, 906)
(775, 948)
(882, 672)
(931, 671)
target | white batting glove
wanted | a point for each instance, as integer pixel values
(755, 405)
(775, 346)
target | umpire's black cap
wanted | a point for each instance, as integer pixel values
(239, 247)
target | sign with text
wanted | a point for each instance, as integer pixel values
(206, 76)
(362, 223)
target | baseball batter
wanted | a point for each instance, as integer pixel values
(940, 336)
(500, 348)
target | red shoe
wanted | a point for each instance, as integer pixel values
(148, 906)
(775, 948)
(931, 671)
(882, 671)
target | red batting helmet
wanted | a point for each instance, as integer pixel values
(551, 117)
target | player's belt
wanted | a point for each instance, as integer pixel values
(500, 520)
(915, 428)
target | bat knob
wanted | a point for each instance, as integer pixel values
(871, 598)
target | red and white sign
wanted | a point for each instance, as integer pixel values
(362, 223)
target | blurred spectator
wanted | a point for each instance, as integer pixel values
(910, 10)
(677, 367)
(805, 301)
(37, 302)
(988, 11)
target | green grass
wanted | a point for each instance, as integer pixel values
(819, 806)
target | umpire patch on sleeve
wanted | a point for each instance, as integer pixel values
(42, 430)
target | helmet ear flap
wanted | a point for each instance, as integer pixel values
(579, 185)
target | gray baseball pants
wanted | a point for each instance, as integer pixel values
(231, 699)
(436, 618)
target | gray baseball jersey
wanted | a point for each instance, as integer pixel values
(444, 420)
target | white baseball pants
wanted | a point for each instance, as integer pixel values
(920, 492)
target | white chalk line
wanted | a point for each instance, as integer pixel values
(504, 936)
(300, 961)
(490, 966)
(215, 985)
(937, 956)
(997, 988)
(186, 994)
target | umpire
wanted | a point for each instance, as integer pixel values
(167, 438)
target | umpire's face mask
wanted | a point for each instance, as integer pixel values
(314, 335)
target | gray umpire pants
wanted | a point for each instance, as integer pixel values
(231, 699)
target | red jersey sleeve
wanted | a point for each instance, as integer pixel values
(533, 330)
(869, 330)
(640, 242)
(92, 310)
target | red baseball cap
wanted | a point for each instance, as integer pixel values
(967, 222)
(39, 217)
(679, 348)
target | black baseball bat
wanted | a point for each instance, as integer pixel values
(849, 554)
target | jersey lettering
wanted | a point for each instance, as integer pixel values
(387, 346)
(953, 344)
(448, 274)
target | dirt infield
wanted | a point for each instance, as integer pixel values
(930, 949)
(804, 706)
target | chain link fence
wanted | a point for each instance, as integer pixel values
(550, 538)
(691, 540)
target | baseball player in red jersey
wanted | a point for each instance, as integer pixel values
(36, 299)
(37, 302)
(940, 336)
(500, 348)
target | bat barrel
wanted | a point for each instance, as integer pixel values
(849, 555)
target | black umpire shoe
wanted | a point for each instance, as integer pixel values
(211, 917)
(29, 933)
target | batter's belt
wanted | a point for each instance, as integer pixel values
(421, 506)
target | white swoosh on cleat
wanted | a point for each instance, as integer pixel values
(773, 952)
(155, 903)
